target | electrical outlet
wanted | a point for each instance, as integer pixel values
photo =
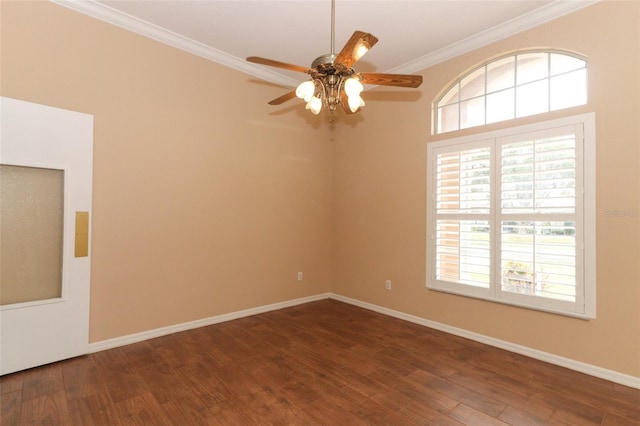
(299, 276)
(387, 284)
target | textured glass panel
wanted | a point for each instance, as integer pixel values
(531, 67)
(564, 63)
(569, 90)
(31, 223)
(501, 74)
(501, 106)
(539, 258)
(532, 98)
(448, 118)
(472, 85)
(472, 113)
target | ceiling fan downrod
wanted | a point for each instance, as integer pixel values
(329, 81)
(333, 80)
(333, 27)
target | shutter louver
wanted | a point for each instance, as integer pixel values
(463, 191)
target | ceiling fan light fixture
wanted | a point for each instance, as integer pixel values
(355, 103)
(306, 90)
(334, 82)
(314, 105)
(353, 87)
(360, 51)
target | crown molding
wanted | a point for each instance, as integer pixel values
(144, 28)
(522, 23)
(112, 16)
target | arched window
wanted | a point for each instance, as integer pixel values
(513, 86)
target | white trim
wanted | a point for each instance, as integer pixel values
(159, 332)
(36, 135)
(592, 370)
(589, 208)
(131, 23)
(115, 17)
(584, 306)
(522, 23)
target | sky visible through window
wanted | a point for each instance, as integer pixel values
(511, 87)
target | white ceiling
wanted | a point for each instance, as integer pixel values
(413, 34)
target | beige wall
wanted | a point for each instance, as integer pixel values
(207, 201)
(379, 198)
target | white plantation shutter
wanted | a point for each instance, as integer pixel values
(538, 174)
(537, 215)
(509, 213)
(463, 207)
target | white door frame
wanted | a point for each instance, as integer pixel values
(45, 331)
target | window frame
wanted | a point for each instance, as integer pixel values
(585, 304)
(516, 86)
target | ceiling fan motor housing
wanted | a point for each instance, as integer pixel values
(326, 65)
(334, 82)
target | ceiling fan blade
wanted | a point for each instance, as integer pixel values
(399, 80)
(284, 98)
(359, 44)
(278, 64)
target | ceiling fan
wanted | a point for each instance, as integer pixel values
(333, 80)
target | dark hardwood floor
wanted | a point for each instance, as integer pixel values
(322, 363)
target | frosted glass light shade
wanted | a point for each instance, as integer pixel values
(306, 90)
(314, 105)
(355, 102)
(353, 87)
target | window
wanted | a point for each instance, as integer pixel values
(511, 216)
(514, 86)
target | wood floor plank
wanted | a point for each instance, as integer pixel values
(471, 398)
(232, 411)
(51, 408)
(82, 378)
(11, 408)
(471, 416)
(426, 415)
(42, 382)
(515, 416)
(94, 409)
(520, 398)
(376, 413)
(139, 408)
(571, 412)
(11, 383)
(321, 363)
(124, 385)
(325, 412)
(615, 420)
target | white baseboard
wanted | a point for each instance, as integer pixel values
(592, 370)
(158, 332)
(603, 373)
